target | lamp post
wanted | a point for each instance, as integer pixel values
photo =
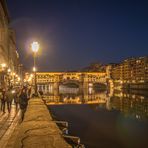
(14, 76)
(35, 48)
(8, 72)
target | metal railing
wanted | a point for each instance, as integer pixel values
(72, 140)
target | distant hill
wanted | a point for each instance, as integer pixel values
(94, 67)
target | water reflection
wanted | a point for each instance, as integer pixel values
(131, 104)
(103, 119)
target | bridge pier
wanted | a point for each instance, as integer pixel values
(85, 91)
(56, 88)
(85, 85)
(81, 87)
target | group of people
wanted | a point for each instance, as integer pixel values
(19, 95)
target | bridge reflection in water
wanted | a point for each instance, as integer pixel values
(103, 119)
(131, 103)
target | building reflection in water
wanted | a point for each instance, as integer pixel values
(130, 104)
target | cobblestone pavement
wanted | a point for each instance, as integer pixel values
(8, 122)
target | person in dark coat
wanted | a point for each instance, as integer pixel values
(16, 98)
(9, 98)
(3, 100)
(23, 101)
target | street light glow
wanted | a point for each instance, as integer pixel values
(35, 47)
(34, 69)
(9, 70)
(19, 78)
(3, 65)
(31, 75)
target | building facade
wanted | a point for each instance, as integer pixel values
(9, 57)
(4, 33)
(132, 72)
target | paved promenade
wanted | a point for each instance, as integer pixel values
(38, 130)
(8, 122)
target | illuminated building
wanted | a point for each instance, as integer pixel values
(132, 73)
(8, 52)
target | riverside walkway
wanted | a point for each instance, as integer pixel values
(38, 130)
(8, 122)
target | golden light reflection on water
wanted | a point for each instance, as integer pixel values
(133, 104)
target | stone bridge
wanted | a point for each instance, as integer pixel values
(52, 80)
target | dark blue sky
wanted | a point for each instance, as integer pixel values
(74, 33)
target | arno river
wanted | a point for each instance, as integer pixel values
(104, 119)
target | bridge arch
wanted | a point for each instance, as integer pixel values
(71, 86)
(72, 83)
(100, 86)
(80, 80)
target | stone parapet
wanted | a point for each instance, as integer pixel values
(38, 130)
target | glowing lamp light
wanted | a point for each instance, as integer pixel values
(3, 65)
(29, 79)
(31, 75)
(35, 47)
(13, 91)
(9, 70)
(34, 69)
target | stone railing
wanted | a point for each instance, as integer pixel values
(38, 130)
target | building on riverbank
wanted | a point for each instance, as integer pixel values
(4, 32)
(131, 73)
(9, 57)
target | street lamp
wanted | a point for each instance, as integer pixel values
(3, 66)
(9, 71)
(14, 75)
(35, 48)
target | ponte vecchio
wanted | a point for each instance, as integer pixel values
(51, 80)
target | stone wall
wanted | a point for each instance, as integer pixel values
(38, 130)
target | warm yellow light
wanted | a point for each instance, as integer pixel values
(34, 69)
(13, 91)
(29, 79)
(31, 75)
(35, 47)
(3, 65)
(9, 70)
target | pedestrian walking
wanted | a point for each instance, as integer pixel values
(41, 94)
(29, 90)
(23, 100)
(1, 96)
(16, 98)
(3, 100)
(9, 98)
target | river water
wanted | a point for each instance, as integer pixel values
(104, 119)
